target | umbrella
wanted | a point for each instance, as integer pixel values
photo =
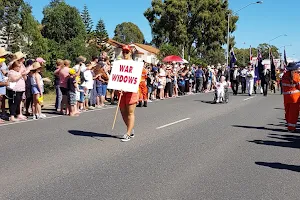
(172, 58)
(184, 61)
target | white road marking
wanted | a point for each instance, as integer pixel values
(249, 98)
(55, 116)
(170, 124)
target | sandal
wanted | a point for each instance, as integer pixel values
(2, 121)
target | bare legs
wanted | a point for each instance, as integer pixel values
(128, 117)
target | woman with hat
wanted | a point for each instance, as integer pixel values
(21, 59)
(128, 102)
(16, 88)
(37, 89)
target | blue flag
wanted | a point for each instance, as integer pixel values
(233, 58)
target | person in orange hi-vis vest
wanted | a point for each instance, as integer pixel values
(291, 95)
(143, 90)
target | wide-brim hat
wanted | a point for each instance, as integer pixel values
(19, 55)
(3, 52)
(293, 66)
(11, 63)
(35, 66)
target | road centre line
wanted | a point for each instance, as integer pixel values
(170, 124)
(249, 98)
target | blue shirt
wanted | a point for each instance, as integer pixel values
(2, 88)
(199, 73)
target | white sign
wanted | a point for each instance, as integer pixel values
(125, 75)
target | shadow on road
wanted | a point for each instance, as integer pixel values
(279, 166)
(260, 128)
(92, 134)
(279, 108)
(209, 102)
(290, 141)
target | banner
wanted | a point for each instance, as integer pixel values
(125, 75)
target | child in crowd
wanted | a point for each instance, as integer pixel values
(37, 88)
(220, 87)
(73, 88)
(181, 86)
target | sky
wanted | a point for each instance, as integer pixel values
(258, 23)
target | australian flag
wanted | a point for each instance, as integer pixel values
(233, 58)
(273, 68)
(259, 66)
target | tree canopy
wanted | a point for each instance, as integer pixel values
(128, 32)
(187, 23)
(62, 22)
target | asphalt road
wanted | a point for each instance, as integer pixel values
(184, 148)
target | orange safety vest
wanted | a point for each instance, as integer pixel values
(144, 75)
(291, 89)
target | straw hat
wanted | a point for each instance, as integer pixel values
(19, 55)
(11, 63)
(36, 66)
(3, 52)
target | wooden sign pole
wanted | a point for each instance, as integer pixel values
(117, 110)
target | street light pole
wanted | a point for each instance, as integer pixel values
(270, 48)
(228, 20)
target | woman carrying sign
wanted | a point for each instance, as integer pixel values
(128, 102)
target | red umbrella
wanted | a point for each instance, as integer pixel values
(172, 58)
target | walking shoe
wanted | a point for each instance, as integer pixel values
(42, 116)
(91, 108)
(35, 117)
(139, 105)
(145, 104)
(132, 134)
(126, 139)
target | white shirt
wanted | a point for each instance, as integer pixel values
(221, 86)
(89, 83)
(251, 73)
(83, 68)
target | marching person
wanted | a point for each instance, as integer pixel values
(234, 79)
(250, 80)
(265, 80)
(243, 79)
(128, 102)
(291, 95)
(143, 90)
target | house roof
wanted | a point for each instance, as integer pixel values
(115, 43)
(148, 48)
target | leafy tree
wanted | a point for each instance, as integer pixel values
(101, 32)
(62, 22)
(9, 23)
(34, 43)
(87, 20)
(166, 50)
(65, 31)
(128, 32)
(264, 48)
(190, 23)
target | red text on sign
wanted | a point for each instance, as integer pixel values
(127, 69)
(124, 79)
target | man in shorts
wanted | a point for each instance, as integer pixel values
(128, 102)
